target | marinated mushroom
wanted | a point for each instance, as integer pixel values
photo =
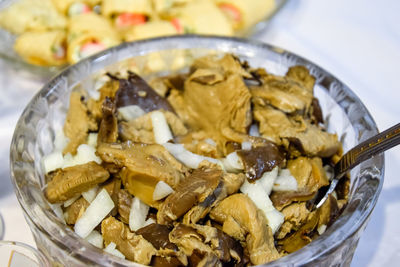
(78, 123)
(192, 190)
(218, 165)
(143, 166)
(75, 210)
(260, 159)
(141, 128)
(72, 181)
(239, 211)
(133, 246)
(136, 91)
(108, 130)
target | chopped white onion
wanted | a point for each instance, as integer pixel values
(90, 194)
(161, 190)
(321, 229)
(92, 139)
(285, 181)
(329, 172)
(137, 214)
(188, 158)
(254, 130)
(275, 219)
(85, 154)
(232, 163)
(95, 238)
(111, 248)
(100, 82)
(161, 131)
(58, 211)
(246, 145)
(94, 214)
(210, 142)
(149, 221)
(53, 161)
(258, 192)
(70, 201)
(130, 112)
(60, 141)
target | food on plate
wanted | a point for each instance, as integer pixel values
(244, 13)
(94, 25)
(89, 33)
(42, 48)
(31, 15)
(220, 165)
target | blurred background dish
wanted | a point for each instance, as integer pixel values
(43, 36)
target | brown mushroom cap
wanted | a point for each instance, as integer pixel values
(260, 159)
(193, 189)
(72, 181)
(239, 212)
(134, 247)
(136, 91)
(108, 131)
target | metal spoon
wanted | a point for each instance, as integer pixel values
(363, 151)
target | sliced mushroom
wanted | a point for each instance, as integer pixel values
(159, 261)
(227, 249)
(308, 139)
(302, 75)
(260, 159)
(108, 131)
(72, 181)
(75, 210)
(239, 210)
(316, 112)
(157, 235)
(141, 128)
(124, 205)
(109, 89)
(78, 123)
(229, 184)
(188, 239)
(143, 166)
(134, 247)
(285, 93)
(135, 91)
(301, 237)
(310, 176)
(191, 191)
(329, 211)
(228, 64)
(295, 216)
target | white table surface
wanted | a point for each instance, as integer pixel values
(358, 41)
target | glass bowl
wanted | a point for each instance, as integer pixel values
(34, 135)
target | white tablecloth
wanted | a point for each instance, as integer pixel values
(357, 41)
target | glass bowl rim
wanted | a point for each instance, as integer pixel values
(46, 90)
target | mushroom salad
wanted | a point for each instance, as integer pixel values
(221, 165)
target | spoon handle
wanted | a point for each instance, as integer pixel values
(365, 150)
